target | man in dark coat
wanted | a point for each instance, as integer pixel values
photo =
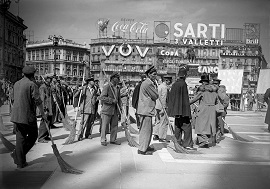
(266, 99)
(179, 107)
(26, 99)
(135, 98)
(146, 110)
(47, 99)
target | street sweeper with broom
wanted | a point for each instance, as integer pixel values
(146, 110)
(26, 99)
(111, 103)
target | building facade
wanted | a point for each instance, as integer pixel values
(13, 46)
(67, 60)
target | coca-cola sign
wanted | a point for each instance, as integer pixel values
(135, 27)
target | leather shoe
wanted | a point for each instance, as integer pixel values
(104, 143)
(163, 140)
(204, 146)
(190, 148)
(116, 143)
(144, 153)
(22, 166)
(150, 149)
(43, 141)
(13, 155)
(155, 137)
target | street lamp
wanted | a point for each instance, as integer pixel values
(4, 6)
(55, 41)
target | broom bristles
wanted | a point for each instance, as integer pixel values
(71, 136)
(132, 130)
(65, 167)
(6, 143)
(178, 147)
(131, 141)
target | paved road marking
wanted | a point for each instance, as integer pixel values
(246, 125)
(165, 156)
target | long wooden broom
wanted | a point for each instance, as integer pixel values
(177, 146)
(131, 141)
(65, 167)
(6, 143)
(235, 136)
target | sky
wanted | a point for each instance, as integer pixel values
(77, 19)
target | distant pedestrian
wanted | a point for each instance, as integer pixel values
(146, 110)
(267, 100)
(26, 98)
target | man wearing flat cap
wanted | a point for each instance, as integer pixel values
(26, 99)
(146, 110)
(47, 100)
(111, 102)
(179, 108)
(87, 107)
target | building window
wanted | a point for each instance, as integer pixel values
(74, 58)
(94, 49)
(116, 57)
(116, 49)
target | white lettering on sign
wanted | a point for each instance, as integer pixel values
(108, 53)
(121, 50)
(252, 41)
(169, 53)
(208, 69)
(201, 30)
(200, 42)
(136, 27)
(140, 51)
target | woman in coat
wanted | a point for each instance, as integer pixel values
(205, 126)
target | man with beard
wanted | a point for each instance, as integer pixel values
(179, 108)
(146, 110)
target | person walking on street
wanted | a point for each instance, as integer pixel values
(266, 99)
(26, 98)
(146, 110)
(179, 108)
(161, 126)
(87, 107)
(110, 101)
(47, 99)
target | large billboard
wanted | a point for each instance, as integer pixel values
(232, 79)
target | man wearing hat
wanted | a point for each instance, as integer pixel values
(87, 107)
(135, 99)
(179, 108)
(124, 93)
(146, 110)
(26, 98)
(47, 100)
(111, 102)
(205, 125)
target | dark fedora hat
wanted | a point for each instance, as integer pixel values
(205, 78)
(115, 74)
(90, 79)
(151, 70)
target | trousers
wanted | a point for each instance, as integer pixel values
(26, 136)
(183, 125)
(161, 126)
(146, 131)
(112, 121)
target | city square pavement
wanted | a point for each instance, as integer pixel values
(230, 164)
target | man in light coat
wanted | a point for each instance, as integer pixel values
(162, 122)
(87, 107)
(267, 100)
(146, 110)
(111, 103)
